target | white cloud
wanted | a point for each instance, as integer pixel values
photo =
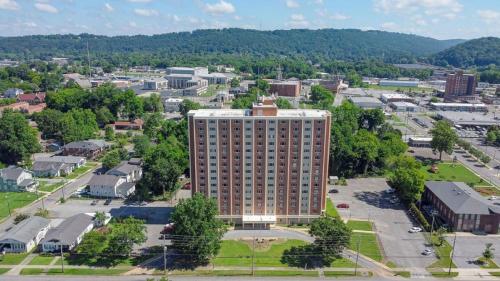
(146, 12)
(389, 25)
(221, 7)
(319, 2)
(132, 24)
(447, 8)
(45, 7)
(489, 16)
(108, 7)
(297, 21)
(30, 24)
(9, 5)
(139, 1)
(236, 17)
(338, 16)
(292, 4)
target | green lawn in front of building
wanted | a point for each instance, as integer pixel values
(14, 200)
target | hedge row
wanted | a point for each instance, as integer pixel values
(474, 151)
(420, 217)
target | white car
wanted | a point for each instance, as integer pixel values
(415, 229)
(427, 252)
(389, 191)
(493, 198)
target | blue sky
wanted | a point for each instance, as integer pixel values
(442, 19)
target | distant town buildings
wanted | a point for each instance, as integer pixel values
(32, 99)
(89, 148)
(394, 97)
(367, 102)
(285, 88)
(262, 165)
(403, 106)
(452, 106)
(12, 93)
(172, 104)
(460, 87)
(155, 84)
(399, 83)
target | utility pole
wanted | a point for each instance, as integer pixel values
(357, 255)
(452, 253)
(62, 256)
(164, 255)
(8, 204)
(253, 256)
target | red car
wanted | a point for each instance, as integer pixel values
(167, 228)
(343, 206)
(187, 186)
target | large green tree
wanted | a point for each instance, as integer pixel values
(198, 232)
(443, 138)
(124, 235)
(188, 105)
(407, 177)
(78, 124)
(17, 139)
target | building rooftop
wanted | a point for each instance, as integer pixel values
(124, 168)
(69, 230)
(61, 159)
(104, 180)
(11, 173)
(282, 113)
(403, 103)
(173, 100)
(458, 104)
(395, 96)
(365, 100)
(26, 230)
(461, 199)
(468, 118)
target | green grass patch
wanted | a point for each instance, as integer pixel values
(15, 200)
(343, 263)
(443, 253)
(238, 253)
(391, 264)
(345, 273)
(3, 270)
(87, 271)
(47, 187)
(32, 271)
(331, 210)
(264, 273)
(360, 225)
(12, 259)
(497, 274)
(405, 274)
(454, 172)
(487, 263)
(82, 170)
(42, 260)
(368, 245)
(443, 274)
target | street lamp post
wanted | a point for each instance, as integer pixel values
(8, 204)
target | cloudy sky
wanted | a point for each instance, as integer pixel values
(441, 19)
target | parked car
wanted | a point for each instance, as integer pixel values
(107, 202)
(493, 197)
(415, 229)
(343, 206)
(427, 252)
(94, 202)
(333, 191)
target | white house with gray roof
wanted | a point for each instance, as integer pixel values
(461, 207)
(24, 236)
(110, 186)
(129, 170)
(56, 166)
(16, 179)
(68, 234)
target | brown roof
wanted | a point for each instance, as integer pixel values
(31, 97)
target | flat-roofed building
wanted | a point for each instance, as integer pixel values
(192, 71)
(155, 84)
(395, 97)
(403, 106)
(172, 104)
(399, 83)
(367, 102)
(263, 165)
(285, 88)
(455, 106)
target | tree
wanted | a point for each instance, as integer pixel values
(321, 94)
(104, 116)
(407, 178)
(153, 103)
(331, 236)
(93, 244)
(262, 85)
(78, 124)
(372, 119)
(142, 145)
(195, 221)
(112, 158)
(365, 148)
(109, 133)
(443, 138)
(440, 235)
(488, 251)
(235, 82)
(100, 218)
(17, 139)
(49, 122)
(124, 235)
(283, 103)
(188, 105)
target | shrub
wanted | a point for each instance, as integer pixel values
(421, 218)
(19, 218)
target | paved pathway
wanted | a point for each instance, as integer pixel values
(17, 269)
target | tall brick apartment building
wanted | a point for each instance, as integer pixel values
(460, 87)
(262, 165)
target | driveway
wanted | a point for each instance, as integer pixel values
(368, 201)
(470, 247)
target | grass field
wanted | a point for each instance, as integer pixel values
(368, 245)
(12, 259)
(238, 253)
(405, 274)
(488, 263)
(497, 274)
(49, 187)
(443, 253)
(31, 271)
(82, 170)
(3, 270)
(454, 172)
(87, 271)
(15, 200)
(443, 274)
(360, 225)
(331, 210)
(42, 260)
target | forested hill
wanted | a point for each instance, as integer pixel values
(348, 44)
(477, 52)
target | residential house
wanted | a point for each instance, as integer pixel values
(32, 99)
(68, 234)
(129, 170)
(89, 148)
(56, 166)
(461, 207)
(16, 179)
(24, 236)
(110, 186)
(129, 125)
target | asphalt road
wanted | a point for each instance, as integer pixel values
(470, 247)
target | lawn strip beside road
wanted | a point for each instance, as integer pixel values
(3, 270)
(444, 274)
(42, 260)
(32, 271)
(368, 245)
(87, 271)
(405, 274)
(50, 187)
(12, 259)
(344, 273)
(360, 225)
(82, 170)
(443, 253)
(14, 200)
(331, 210)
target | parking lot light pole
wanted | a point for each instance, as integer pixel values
(452, 253)
(357, 255)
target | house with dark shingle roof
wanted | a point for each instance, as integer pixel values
(56, 166)
(129, 170)
(89, 148)
(24, 236)
(462, 207)
(110, 186)
(68, 234)
(16, 179)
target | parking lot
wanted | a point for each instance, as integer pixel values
(368, 200)
(155, 214)
(470, 247)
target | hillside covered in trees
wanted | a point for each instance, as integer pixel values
(343, 44)
(477, 52)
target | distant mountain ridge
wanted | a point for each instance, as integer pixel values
(346, 44)
(477, 52)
